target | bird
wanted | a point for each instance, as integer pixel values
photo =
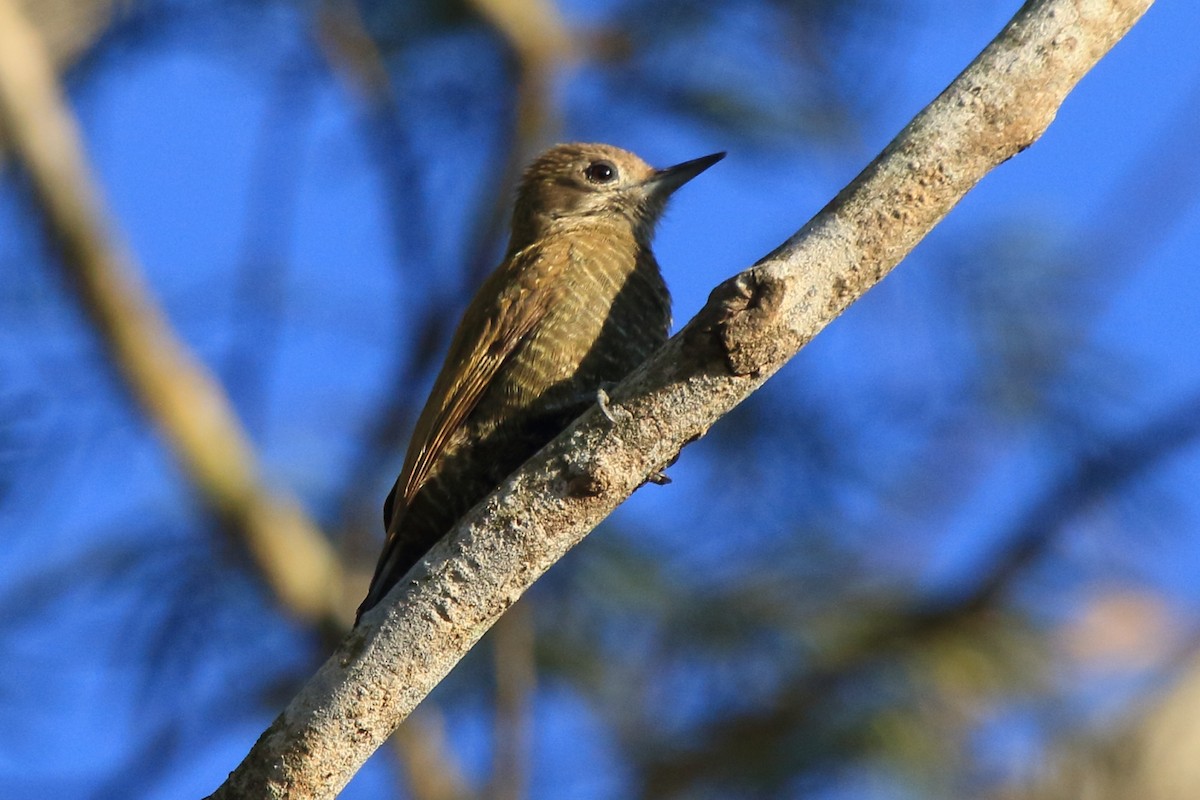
(577, 303)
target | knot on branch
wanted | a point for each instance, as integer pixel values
(740, 318)
(586, 479)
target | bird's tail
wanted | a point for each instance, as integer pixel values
(393, 563)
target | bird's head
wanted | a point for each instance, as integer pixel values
(572, 184)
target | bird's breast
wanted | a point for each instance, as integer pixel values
(610, 310)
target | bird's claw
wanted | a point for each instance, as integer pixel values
(602, 400)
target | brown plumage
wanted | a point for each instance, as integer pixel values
(577, 303)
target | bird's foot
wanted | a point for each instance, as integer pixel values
(602, 400)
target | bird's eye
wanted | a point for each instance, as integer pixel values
(601, 172)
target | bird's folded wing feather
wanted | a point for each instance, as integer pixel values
(507, 307)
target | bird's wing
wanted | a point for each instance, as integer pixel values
(505, 309)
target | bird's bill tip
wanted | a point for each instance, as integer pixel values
(671, 178)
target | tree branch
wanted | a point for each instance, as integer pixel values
(750, 327)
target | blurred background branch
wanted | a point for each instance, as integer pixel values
(1150, 754)
(430, 772)
(872, 633)
(512, 641)
(70, 28)
(177, 392)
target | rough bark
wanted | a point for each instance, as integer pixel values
(750, 327)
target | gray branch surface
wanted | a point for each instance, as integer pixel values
(751, 325)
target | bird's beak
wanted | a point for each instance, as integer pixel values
(667, 180)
